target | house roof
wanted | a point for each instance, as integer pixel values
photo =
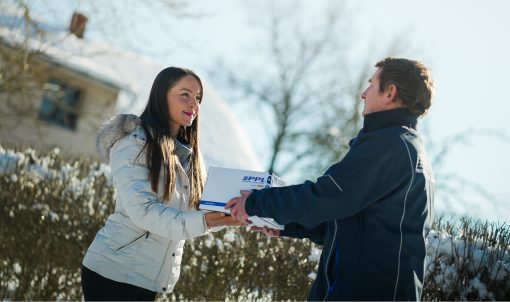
(224, 141)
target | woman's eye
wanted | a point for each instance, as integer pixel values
(185, 95)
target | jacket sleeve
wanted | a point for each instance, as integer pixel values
(315, 234)
(217, 229)
(141, 202)
(365, 175)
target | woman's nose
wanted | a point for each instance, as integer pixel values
(194, 103)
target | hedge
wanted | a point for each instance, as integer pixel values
(52, 206)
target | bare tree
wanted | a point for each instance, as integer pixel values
(305, 80)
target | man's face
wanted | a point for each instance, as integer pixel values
(374, 99)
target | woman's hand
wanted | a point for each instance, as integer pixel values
(267, 231)
(216, 219)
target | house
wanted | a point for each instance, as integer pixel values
(86, 81)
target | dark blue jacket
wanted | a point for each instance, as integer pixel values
(371, 212)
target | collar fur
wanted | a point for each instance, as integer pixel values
(119, 126)
(114, 129)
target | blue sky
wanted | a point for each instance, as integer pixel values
(464, 42)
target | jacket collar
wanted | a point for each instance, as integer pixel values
(390, 118)
(182, 151)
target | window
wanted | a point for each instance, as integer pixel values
(59, 104)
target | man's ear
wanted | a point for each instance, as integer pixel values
(390, 94)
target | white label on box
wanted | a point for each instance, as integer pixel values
(224, 184)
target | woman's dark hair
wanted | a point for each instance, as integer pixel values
(160, 143)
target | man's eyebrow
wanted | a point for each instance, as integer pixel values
(370, 81)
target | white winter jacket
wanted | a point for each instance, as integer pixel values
(142, 241)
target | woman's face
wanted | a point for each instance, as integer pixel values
(183, 103)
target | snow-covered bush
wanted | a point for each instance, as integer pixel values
(467, 262)
(237, 264)
(52, 206)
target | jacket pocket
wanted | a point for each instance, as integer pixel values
(132, 241)
(334, 269)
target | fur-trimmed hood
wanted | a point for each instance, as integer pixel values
(114, 129)
(119, 126)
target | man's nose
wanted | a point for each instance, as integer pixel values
(364, 94)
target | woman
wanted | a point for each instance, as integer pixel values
(159, 175)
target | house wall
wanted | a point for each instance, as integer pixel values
(96, 102)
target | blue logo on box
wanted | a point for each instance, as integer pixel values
(253, 179)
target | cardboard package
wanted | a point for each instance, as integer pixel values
(224, 184)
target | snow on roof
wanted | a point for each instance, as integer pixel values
(224, 141)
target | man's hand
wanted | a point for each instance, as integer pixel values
(267, 231)
(216, 219)
(237, 207)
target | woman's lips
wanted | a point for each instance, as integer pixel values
(188, 113)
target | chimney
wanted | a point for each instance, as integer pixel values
(78, 23)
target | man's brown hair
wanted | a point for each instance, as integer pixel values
(415, 85)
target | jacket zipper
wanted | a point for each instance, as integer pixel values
(161, 267)
(327, 262)
(134, 240)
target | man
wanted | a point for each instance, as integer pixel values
(373, 210)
